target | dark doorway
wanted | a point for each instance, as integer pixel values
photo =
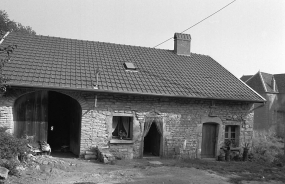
(49, 116)
(64, 119)
(209, 139)
(152, 142)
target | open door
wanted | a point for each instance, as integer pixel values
(152, 142)
(49, 116)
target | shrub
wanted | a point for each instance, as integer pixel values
(266, 146)
(11, 147)
(11, 165)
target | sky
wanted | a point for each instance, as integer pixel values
(246, 37)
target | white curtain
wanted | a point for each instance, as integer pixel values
(115, 123)
(126, 124)
(159, 126)
(147, 125)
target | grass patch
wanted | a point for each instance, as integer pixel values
(238, 171)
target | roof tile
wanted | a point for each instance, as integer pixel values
(67, 63)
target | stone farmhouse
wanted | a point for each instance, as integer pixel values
(133, 101)
(270, 116)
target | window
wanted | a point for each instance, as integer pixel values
(122, 127)
(129, 66)
(232, 134)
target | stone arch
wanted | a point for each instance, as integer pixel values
(17, 93)
(35, 109)
(219, 124)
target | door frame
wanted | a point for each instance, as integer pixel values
(162, 136)
(219, 141)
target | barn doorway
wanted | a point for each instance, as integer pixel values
(64, 120)
(152, 142)
(209, 140)
(49, 116)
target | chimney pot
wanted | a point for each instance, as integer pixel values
(182, 44)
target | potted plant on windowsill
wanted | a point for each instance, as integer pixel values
(122, 134)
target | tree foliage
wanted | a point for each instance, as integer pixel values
(9, 25)
(5, 52)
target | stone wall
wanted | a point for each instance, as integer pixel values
(182, 120)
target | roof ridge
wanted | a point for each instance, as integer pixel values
(62, 38)
(262, 80)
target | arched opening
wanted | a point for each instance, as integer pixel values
(49, 116)
(64, 122)
(209, 140)
(152, 142)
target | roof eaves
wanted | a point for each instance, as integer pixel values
(252, 90)
(242, 82)
(134, 93)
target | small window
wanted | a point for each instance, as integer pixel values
(232, 134)
(129, 66)
(122, 127)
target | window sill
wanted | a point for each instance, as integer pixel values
(121, 141)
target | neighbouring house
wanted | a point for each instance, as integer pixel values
(133, 101)
(270, 116)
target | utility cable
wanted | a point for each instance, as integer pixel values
(161, 78)
(197, 22)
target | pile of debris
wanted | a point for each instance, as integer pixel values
(48, 160)
(39, 148)
(104, 155)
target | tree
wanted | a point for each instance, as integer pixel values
(9, 25)
(5, 52)
(5, 55)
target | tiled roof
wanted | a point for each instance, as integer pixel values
(244, 78)
(256, 83)
(280, 82)
(267, 79)
(50, 62)
(263, 82)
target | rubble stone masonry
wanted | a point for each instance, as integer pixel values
(182, 121)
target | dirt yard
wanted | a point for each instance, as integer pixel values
(55, 170)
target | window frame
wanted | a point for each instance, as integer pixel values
(235, 132)
(131, 126)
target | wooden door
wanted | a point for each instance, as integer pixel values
(209, 139)
(31, 115)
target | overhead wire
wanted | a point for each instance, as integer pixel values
(197, 22)
(136, 56)
(167, 80)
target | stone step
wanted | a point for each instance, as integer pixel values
(105, 156)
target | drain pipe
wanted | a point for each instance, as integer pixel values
(257, 107)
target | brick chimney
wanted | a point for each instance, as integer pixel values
(182, 44)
